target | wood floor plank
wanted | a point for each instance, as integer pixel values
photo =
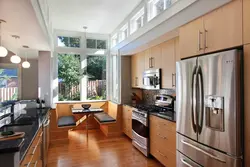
(97, 151)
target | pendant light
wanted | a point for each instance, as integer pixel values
(3, 50)
(26, 64)
(15, 58)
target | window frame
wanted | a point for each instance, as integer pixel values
(139, 15)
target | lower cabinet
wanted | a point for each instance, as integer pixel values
(127, 120)
(33, 157)
(163, 140)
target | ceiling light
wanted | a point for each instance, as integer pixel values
(3, 50)
(15, 58)
(26, 64)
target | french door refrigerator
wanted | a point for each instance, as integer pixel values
(209, 110)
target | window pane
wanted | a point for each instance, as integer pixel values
(69, 77)
(101, 44)
(8, 84)
(91, 43)
(69, 41)
(74, 42)
(96, 71)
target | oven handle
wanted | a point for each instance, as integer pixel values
(139, 145)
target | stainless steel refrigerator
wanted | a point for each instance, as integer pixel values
(209, 110)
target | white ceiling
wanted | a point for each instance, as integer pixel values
(21, 20)
(100, 16)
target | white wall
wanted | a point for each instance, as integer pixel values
(44, 79)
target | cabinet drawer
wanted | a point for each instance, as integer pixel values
(161, 123)
(165, 140)
(166, 158)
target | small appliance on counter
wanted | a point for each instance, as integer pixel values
(40, 104)
(163, 100)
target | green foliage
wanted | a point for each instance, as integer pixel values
(96, 68)
(14, 96)
(4, 77)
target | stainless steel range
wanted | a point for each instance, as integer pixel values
(140, 131)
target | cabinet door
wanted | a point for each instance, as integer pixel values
(168, 63)
(223, 27)
(140, 68)
(246, 21)
(246, 103)
(177, 50)
(191, 38)
(156, 57)
(147, 54)
(134, 74)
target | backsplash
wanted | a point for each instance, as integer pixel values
(148, 95)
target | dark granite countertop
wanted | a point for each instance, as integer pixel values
(163, 116)
(36, 118)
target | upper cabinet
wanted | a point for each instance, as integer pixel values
(246, 21)
(168, 64)
(190, 38)
(217, 30)
(153, 57)
(137, 69)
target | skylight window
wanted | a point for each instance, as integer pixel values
(155, 7)
(137, 21)
(114, 40)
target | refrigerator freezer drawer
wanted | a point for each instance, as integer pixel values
(205, 156)
(184, 161)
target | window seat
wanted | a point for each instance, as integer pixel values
(65, 121)
(104, 118)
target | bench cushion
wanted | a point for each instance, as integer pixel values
(104, 117)
(66, 121)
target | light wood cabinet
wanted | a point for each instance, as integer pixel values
(137, 62)
(168, 63)
(246, 103)
(153, 57)
(163, 133)
(190, 38)
(217, 30)
(127, 120)
(246, 21)
(223, 27)
(33, 156)
(147, 57)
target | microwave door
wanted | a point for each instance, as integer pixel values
(218, 103)
(186, 88)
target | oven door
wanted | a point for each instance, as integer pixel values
(139, 128)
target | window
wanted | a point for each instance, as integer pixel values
(115, 78)
(73, 42)
(137, 21)
(155, 7)
(114, 40)
(96, 44)
(81, 78)
(8, 84)
(123, 33)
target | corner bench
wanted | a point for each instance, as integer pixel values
(110, 121)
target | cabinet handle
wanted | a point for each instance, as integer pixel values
(199, 40)
(173, 79)
(136, 81)
(162, 154)
(163, 137)
(149, 62)
(152, 66)
(205, 39)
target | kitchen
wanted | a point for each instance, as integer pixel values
(177, 91)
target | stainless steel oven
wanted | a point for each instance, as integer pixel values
(140, 131)
(152, 79)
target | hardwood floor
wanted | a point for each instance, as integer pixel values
(97, 151)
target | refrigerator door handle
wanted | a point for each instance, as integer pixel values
(193, 104)
(201, 100)
(204, 152)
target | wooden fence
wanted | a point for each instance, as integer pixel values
(94, 88)
(7, 93)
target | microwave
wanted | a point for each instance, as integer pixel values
(152, 79)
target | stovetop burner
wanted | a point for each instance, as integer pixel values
(167, 112)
